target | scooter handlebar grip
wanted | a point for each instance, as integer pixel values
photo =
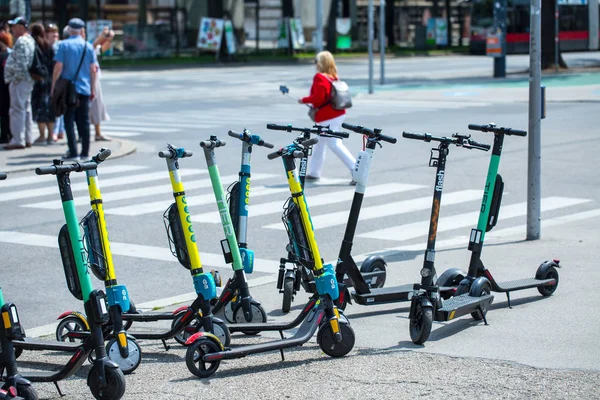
(481, 128)
(2, 176)
(46, 170)
(310, 142)
(265, 144)
(235, 135)
(275, 127)
(187, 154)
(298, 154)
(211, 144)
(388, 139)
(354, 128)
(102, 155)
(275, 154)
(86, 166)
(343, 135)
(480, 146)
(517, 132)
(417, 136)
(164, 154)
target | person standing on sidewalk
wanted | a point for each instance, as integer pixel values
(320, 97)
(5, 43)
(59, 123)
(76, 61)
(40, 97)
(16, 75)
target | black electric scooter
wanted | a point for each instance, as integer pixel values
(427, 303)
(335, 337)
(289, 280)
(546, 276)
(15, 386)
(105, 379)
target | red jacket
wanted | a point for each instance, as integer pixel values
(320, 93)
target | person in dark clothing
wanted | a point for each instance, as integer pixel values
(40, 97)
(5, 43)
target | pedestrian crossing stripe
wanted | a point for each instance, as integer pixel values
(274, 207)
(140, 192)
(420, 228)
(81, 186)
(388, 209)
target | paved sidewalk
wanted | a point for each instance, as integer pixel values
(33, 157)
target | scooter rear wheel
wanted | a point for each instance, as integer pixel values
(188, 330)
(547, 290)
(129, 364)
(420, 326)
(220, 330)
(288, 294)
(328, 343)
(193, 358)
(115, 384)
(376, 265)
(481, 287)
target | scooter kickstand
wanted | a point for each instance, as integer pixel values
(508, 298)
(483, 315)
(167, 347)
(58, 388)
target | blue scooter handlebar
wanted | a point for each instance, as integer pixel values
(246, 138)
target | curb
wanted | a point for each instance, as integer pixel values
(126, 147)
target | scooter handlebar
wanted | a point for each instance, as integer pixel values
(2, 176)
(341, 135)
(275, 127)
(102, 155)
(275, 154)
(479, 146)
(61, 169)
(310, 142)
(495, 129)
(243, 137)
(373, 133)
(416, 136)
(212, 143)
(172, 153)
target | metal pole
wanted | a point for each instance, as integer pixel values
(370, 45)
(319, 33)
(257, 9)
(535, 111)
(556, 38)
(382, 41)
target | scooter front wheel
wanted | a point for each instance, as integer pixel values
(195, 354)
(129, 364)
(115, 384)
(27, 392)
(220, 330)
(328, 344)
(258, 316)
(68, 325)
(288, 294)
(187, 331)
(420, 325)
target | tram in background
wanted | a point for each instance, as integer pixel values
(573, 25)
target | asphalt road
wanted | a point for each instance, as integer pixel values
(183, 107)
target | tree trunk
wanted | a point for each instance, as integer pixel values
(331, 32)
(548, 31)
(390, 22)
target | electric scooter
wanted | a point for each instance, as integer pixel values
(239, 198)
(291, 279)
(427, 303)
(186, 320)
(121, 347)
(546, 276)
(10, 328)
(373, 270)
(247, 308)
(105, 379)
(335, 336)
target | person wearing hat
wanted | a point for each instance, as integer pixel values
(20, 85)
(76, 61)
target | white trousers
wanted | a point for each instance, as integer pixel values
(315, 163)
(20, 112)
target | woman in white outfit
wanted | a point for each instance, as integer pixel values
(320, 98)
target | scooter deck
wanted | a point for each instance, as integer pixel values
(521, 284)
(391, 294)
(32, 344)
(461, 305)
(149, 316)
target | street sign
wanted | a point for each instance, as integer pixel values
(493, 44)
